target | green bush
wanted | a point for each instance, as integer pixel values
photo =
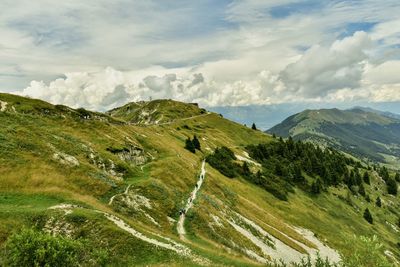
(35, 248)
(83, 113)
(223, 160)
(369, 254)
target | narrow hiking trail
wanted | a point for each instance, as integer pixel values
(180, 226)
(168, 122)
(124, 193)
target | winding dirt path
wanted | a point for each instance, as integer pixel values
(180, 226)
(124, 193)
(169, 122)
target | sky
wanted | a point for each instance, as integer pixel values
(101, 54)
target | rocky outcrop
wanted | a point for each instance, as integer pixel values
(131, 154)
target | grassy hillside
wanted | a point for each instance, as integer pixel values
(363, 133)
(155, 112)
(119, 186)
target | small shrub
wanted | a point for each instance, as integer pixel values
(83, 113)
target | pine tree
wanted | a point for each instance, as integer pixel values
(361, 190)
(253, 126)
(366, 178)
(316, 187)
(368, 216)
(278, 169)
(357, 177)
(397, 177)
(258, 178)
(246, 170)
(383, 172)
(391, 186)
(298, 176)
(196, 143)
(378, 202)
(189, 145)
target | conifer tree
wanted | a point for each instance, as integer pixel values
(378, 202)
(366, 178)
(196, 143)
(189, 145)
(383, 172)
(258, 178)
(357, 177)
(368, 216)
(361, 190)
(253, 126)
(397, 177)
(391, 186)
(298, 176)
(246, 170)
(278, 169)
(316, 187)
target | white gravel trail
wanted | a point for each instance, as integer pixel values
(180, 226)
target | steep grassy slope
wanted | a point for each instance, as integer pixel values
(109, 171)
(362, 133)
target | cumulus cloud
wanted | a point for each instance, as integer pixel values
(244, 52)
(336, 72)
(323, 69)
(82, 89)
(109, 88)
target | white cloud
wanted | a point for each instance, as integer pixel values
(337, 72)
(198, 51)
(323, 69)
(385, 73)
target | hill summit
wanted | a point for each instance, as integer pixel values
(156, 111)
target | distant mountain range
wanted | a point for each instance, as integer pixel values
(383, 113)
(266, 116)
(363, 132)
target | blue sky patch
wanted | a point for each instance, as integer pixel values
(353, 27)
(287, 10)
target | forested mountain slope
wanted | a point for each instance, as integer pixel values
(364, 133)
